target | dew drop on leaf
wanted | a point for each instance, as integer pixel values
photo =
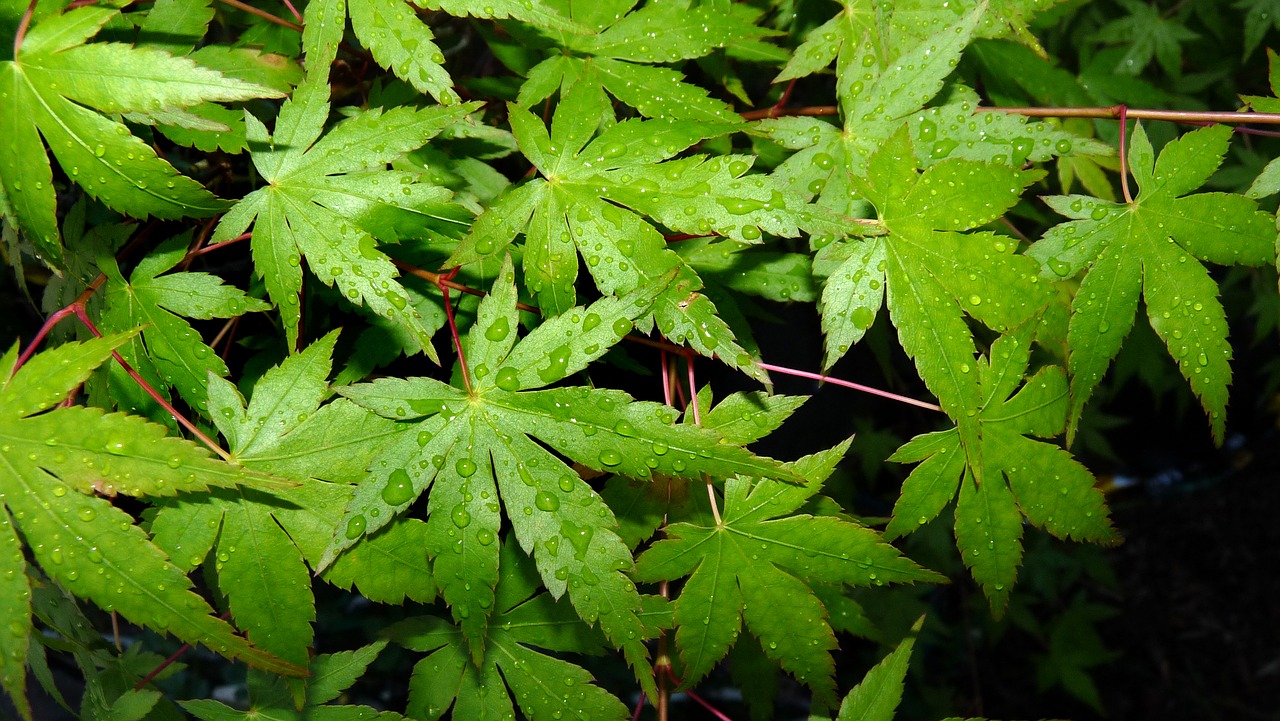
(557, 364)
(740, 206)
(546, 502)
(399, 488)
(465, 467)
(508, 379)
(460, 516)
(498, 330)
(610, 458)
(355, 527)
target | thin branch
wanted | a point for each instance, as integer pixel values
(697, 421)
(262, 14)
(850, 384)
(22, 27)
(1111, 112)
(294, 11)
(1124, 154)
(155, 395)
(453, 330)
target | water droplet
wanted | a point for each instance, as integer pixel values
(546, 502)
(508, 379)
(355, 527)
(460, 516)
(465, 467)
(610, 458)
(399, 488)
(498, 330)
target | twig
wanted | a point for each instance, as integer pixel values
(262, 14)
(850, 384)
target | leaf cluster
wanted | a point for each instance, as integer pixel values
(364, 307)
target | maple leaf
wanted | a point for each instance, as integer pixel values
(929, 273)
(763, 557)
(544, 687)
(1155, 245)
(168, 352)
(394, 35)
(1148, 34)
(883, 84)
(330, 198)
(52, 87)
(54, 462)
(878, 89)
(539, 13)
(877, 696)
(261, 545)
(1044, 483)
(271, 697)
(623, 52)
(474, 449)
(1260, 17)
(593, 200)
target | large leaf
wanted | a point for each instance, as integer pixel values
(764, 556)
(1044, 483)
(58, 470)
(53, 87)
(475, 449)
(1154, 246)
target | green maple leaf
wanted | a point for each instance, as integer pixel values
(884, 83)
(1044, 483)
(270, 697)
(762, 558)
(1260, 17)
(568, 213)
(877, 696)
(929, 273)
(918, 18)
(330, 199)
(544, 687)
(623, 55)
(1155, 245)
(539, 13)
(475, 449)
(394, 35)
(54, 464)
(879, 87)
(168, 352)
(261, 545)
(52, 88)
(1148, 34)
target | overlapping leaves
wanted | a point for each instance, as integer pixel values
(271, 698)
(168, 352)
(330, 199)
(1044, 483)
(929, 273)
(260, 544)
(58, 469)
(764, 555)
(593, 201)
(525, 624)
(1155, 246)
(624, 52)
(52, 88)
(476, 453)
